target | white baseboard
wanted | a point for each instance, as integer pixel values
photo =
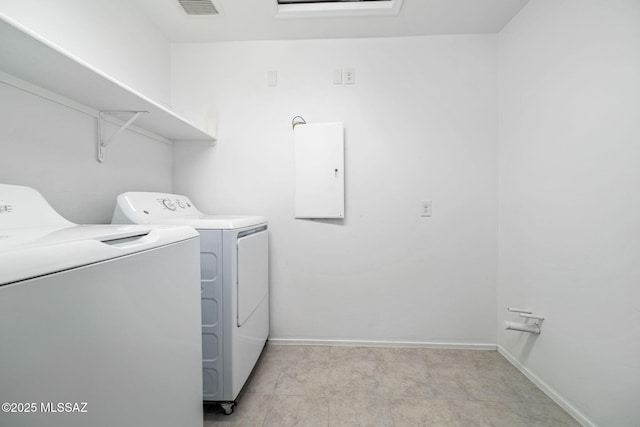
(548, 390)
(378, 343)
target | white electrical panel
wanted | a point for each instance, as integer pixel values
(319, 170)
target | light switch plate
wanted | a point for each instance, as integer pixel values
(272, 78)
(337, 76)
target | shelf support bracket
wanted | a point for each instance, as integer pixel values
(102, 141)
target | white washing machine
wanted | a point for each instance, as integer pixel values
(100, 324)
(234, 259)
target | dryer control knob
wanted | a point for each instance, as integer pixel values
(168, 204)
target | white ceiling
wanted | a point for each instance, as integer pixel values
(255, 20)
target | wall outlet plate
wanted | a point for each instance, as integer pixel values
(349, 75)
(425, 208)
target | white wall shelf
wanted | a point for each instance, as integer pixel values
(34, 64)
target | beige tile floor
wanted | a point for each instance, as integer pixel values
(387, 387)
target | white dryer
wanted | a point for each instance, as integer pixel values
(100, 324)
(234, 257)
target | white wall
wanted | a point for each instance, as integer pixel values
(420, 125)
(110, 35)
(569, 200)
(52, 149)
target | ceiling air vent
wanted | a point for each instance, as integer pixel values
(198, 7)
(332, 8)
(320, 1)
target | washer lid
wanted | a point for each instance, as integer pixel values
(164, 208)
(26, 253)
(35, 240)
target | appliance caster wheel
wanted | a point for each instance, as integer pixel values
(228, 407)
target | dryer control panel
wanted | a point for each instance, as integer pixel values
(175, 204)
(173, 209)
(162, 205)
(144, 207)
